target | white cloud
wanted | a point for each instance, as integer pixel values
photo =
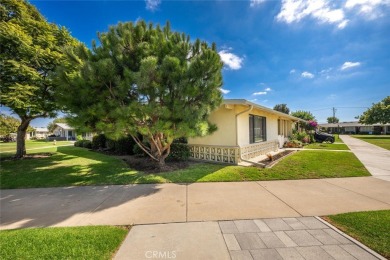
(152, 5)
(370, 9)
(254, 3)
(231, 60)
(292, 71)
(342, 24)
(253, 100)
(321, 10)
(349, 64)
(268, 89)
(260, 93)
(307, 74)
(331, 12)
(224, 91)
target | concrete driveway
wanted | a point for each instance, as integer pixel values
(168, 203)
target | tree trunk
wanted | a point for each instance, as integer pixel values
(21, 138)
(160, 152)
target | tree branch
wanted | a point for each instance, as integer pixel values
(143, 148)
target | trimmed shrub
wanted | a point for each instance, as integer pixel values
(87, 144)
(83, 143)
(181, 140)
(125, 145)
(110, 144)
(78, 143)
(179, 151)
(99, 142)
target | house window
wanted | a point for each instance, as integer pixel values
(257, 129)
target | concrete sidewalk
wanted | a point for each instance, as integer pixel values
(274, 238)
(168, 203)
(376, 159)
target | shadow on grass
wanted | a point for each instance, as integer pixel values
(147, 203)
(70, 205)
(72, 167)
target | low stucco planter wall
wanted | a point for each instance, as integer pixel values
(231, 154)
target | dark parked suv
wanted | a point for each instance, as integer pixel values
(323, 137)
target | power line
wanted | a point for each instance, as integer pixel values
(326, 108)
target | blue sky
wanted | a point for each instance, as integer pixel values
(311, 55)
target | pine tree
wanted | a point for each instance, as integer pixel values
(143, 79)
(282, 108)
(31, 49)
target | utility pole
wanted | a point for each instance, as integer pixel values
(334, 112)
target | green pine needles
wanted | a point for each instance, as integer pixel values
(143, 80)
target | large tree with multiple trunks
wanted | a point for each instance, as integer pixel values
(143, 80)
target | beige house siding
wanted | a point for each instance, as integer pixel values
(243, 125)
(226, 133)
(231, 142)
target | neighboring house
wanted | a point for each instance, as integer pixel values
(39, 133)
(245, 130)
(87, 136)
(68, 133)
(355, 128)
(65, 132)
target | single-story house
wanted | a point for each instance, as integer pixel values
(65, 132)
(355, 128)
(39, 133)
(68, 133)
(245, 130)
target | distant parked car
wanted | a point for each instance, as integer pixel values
(323, 137)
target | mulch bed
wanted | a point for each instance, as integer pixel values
(275, 158)
(147, 165)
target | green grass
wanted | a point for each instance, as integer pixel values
(9, 149)
(70, 166)
(326, 146)
(337, 139)
(379, 140)
(372, 228)
(91, 242)
(301, 165)
(73, 166)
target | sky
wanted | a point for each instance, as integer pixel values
(311, 55)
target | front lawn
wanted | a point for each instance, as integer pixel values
(74, 166)
(371, 228)
(326, 146)
(301, 165)
(379, 140)
(337, 138)
(9, 149)
(61, 243)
